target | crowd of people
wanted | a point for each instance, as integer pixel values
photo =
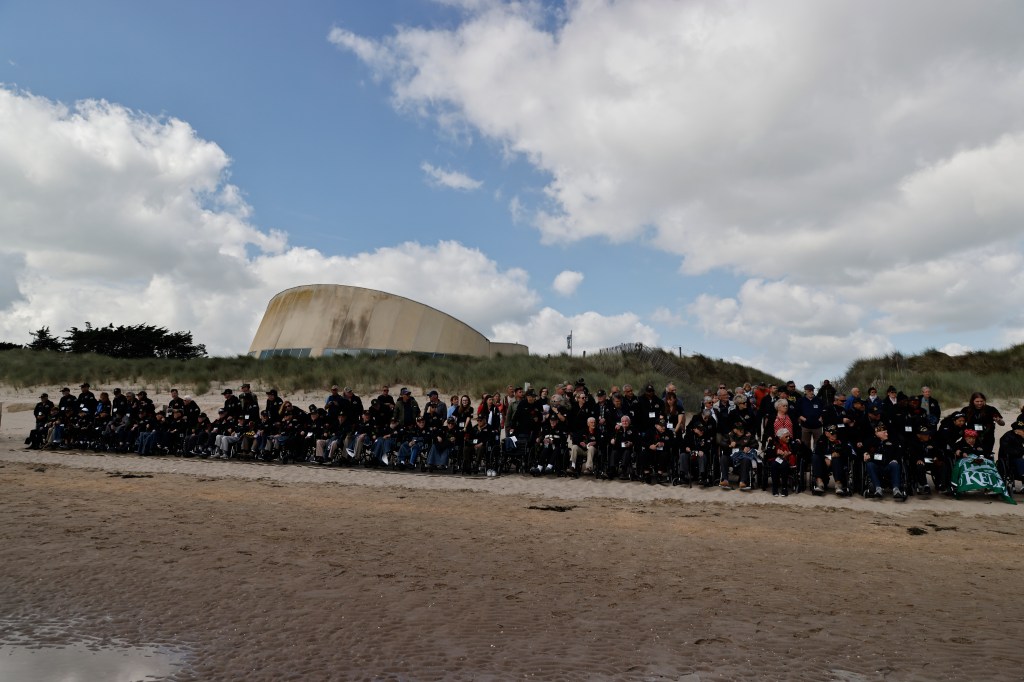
(749, 437)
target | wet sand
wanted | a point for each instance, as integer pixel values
(269, 573)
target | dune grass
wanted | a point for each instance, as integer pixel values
(449, 375)
(999, 374)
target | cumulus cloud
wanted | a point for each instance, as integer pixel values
(113, 215)
(547, 331)
(845, 147)
(801, 328)
(955, 349)
(663, 315)
(440, 177)
(567, 281)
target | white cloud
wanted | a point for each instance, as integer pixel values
(567, 281)
(440, 177)
(800, 329)
(663, 315)
(864, 161)
(955, 349)
(515, 210)
(367, 50)
(546, 331)
(761, 305)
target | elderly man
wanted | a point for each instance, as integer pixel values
(884, 456)
(831, 456)
(810, 412)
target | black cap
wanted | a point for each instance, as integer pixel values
(601, 393)
(43, 395)
(432, 392)
(831, 428)
(808, 387)
(226, 391)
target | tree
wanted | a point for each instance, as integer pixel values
(7, 345)
(136, 341)
(43, 340)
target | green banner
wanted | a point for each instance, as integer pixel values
(979, 474)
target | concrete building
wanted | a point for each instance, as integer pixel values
(334, 319)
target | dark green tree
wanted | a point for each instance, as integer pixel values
(7, 345)
(135, 341)
(43, 340)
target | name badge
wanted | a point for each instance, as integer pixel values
(778, 460)
(878, 458)
(623, 445)
(979, 427)
(650, 415)
(475, 441)
(929, 460)
(908, 429)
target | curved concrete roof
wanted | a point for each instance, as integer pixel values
(325, 319)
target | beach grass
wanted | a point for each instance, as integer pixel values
(365, 373)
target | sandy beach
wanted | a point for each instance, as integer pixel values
(265, 572)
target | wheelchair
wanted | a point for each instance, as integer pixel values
(747, 471)
(885, 478)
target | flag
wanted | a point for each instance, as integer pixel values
(977, 473)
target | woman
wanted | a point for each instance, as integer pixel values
(782, 419)
(674, 417)
(982, 418)
(780, 461)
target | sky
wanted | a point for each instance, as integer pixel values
(790, 185)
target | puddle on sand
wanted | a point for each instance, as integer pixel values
(50, 651)
(85, 663)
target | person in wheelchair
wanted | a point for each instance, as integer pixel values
(553, 447)
(442, 439)
(588, 443)
(831, 455)
(620, 452)
(1011, 453)
(925, 455)
(883, 457)
(657, 452)
(695, 452)
(782, 461)
(741, 452)
(482, 439)
(970, 446)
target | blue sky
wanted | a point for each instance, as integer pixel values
(784, 184)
